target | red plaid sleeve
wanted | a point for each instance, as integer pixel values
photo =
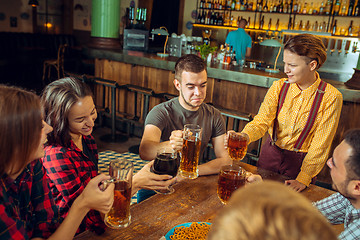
(45, 212)
(10, 228)
(70, 171)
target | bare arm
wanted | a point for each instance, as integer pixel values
(248, 52)
(150, 142)
(222, 158)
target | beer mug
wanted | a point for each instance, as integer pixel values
(237, 146)
(121, 172)
(190, 151)
(231, 177)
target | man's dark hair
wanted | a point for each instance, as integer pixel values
(189, 63)
(352, 137)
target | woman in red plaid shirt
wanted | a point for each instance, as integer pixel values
(71, 157)
(27, 208)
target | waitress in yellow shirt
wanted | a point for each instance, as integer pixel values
(301, 114)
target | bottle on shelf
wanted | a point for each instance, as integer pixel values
(321, 9)
(285, 7)
(275, 7)
(254, 6)
(277, 25)
(304, 10)
(202, 4)
(290, 23)
(281, 7)
(343, 8)
(334, 28)
(336, 8)
(250, 5)
(357, 9)
(328, 7)
(237, 5)
(228, 4)
(271, 6)
(269, 25)
(233, 4)
(311, 8)
(266, 8)
(351, 8)
(315, 26)
(299, 7)
(248, 23)
(203, 15)
(289, 6)
(259, 6)
(350, 29)
(261, 23)
(307, 26)
(295, 7)
(300, 25)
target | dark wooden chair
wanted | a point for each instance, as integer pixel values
(58, 64)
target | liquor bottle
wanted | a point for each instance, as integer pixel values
(343, 8)
(350, 32)
(295, 7)
(211, 22)
(250, 6)
(328, 7)
(271, 8)
(275, 7)
(351, 8)
(311, 8)
(246, 5)
(277, 25)
(259, 6)
(337, 8)
(237, 5)
(285, 7)
(254, 6)
(299, 7)
(261, 23)
(233, 4)
(198, 19)
(334, 28)
(269, 25)
(202, 20)
(321, 9)
(220, 20)
(315, 26)
(289, 7)
(307, 26)
(300, 25)
(242, 5)
(357, 9)
(266, 8)
(216, 18)
(290, 23)
(304, 11)
(201, 5)
(248, 23)
(281, 7)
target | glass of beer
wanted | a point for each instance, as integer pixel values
(237, 146)
(166, 163)
(121, 172)
(231, 177)
(190, 151)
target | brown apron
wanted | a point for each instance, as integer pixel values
(283, 161)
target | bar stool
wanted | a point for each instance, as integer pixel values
(58, 63)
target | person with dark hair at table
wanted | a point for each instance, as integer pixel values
(271, 211)
(300, 113)
(71, 157)
(27, 208)
(344, 207)
(164, 123)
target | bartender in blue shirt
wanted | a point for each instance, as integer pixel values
(240, 41)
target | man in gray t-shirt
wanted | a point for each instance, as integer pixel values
(164, 123)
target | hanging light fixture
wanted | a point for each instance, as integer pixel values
(34, 3)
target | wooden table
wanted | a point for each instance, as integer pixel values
(193, 201)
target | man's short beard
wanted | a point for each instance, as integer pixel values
(186, 102)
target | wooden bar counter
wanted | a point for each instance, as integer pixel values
(193, 201)
(229, 87)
